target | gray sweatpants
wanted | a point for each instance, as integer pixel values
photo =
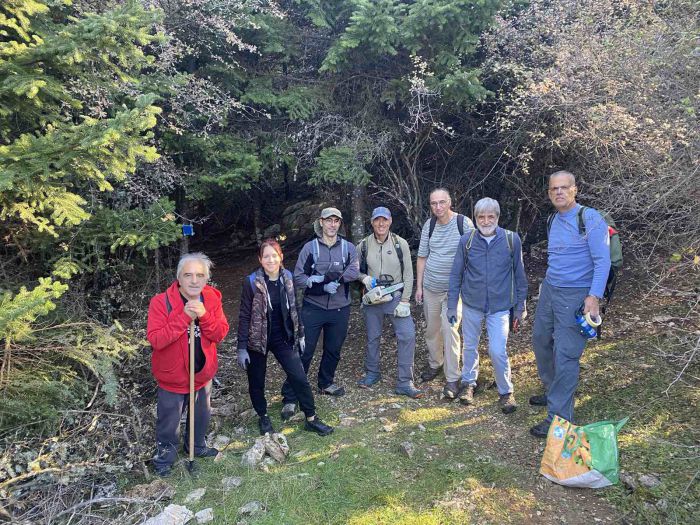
(405, 331)
(170, 408)
(558, 345)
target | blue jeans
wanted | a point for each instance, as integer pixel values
(497, 330)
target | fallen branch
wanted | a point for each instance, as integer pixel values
(687, 364)
(34, 473)
(100, 501)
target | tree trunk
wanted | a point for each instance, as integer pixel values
(157, 264)
(182, 209)
(359, 213)
(257, 217)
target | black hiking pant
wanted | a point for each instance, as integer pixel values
(289, 360)
(334, 324)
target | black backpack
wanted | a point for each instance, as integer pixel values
(460, 225)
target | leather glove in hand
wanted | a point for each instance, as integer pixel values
(369, 282)
(243, 358)
(331, 287)
(402, 310)
(314, 279)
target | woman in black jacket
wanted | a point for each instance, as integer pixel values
(268, 322)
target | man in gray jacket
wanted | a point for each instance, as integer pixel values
(385, 263)
(488, 274)
(325, 268)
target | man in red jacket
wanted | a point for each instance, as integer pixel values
(169, 317)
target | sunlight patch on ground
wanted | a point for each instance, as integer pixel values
(332, 451)
(398, 515)
(386, 400)
(497, 504)
(466, 422)
(647, 433)
(424, 415)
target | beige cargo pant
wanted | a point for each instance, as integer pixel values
(443, 341)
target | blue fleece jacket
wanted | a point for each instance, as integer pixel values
(484, 277)
(575, 260)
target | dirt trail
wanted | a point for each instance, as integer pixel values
(505, 439)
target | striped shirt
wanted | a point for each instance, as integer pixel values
(440, 250)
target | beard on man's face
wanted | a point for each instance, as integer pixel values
(487, 231)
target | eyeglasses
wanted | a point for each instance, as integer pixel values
(435, 204)
(332, 220)
(557, 189)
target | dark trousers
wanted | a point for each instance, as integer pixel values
(170, 408)
(289, 360)
(334, 324)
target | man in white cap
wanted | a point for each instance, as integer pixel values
(325, 268)
(385, 264)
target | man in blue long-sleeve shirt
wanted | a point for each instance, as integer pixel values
(577, 270)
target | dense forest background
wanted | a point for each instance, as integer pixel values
(120, 121)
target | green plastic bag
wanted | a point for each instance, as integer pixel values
(582, 456)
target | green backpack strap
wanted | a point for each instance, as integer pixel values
(468, 246)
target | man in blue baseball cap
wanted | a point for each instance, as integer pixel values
(387, 273)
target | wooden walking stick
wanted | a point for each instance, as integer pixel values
(190, 411)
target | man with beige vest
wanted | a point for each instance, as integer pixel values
(387, 273)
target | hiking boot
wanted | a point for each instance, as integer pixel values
(466, 396)
(318, 426)
(369, 379)
(451, 390)
(540, 430)
(539, 400)
(265, 425)
(206, 452)
(430, 373)
(332, 390)
(507, 402)
(288, 411)
(410, 391)
(163, 471)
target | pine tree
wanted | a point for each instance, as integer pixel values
(74, 121)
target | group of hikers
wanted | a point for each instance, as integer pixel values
(465, 274)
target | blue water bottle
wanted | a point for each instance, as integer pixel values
(587, 330)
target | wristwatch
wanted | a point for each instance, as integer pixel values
(591, 295)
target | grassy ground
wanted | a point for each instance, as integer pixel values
(471, 464)
(662, 437)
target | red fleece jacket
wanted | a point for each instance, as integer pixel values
(168, 334)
